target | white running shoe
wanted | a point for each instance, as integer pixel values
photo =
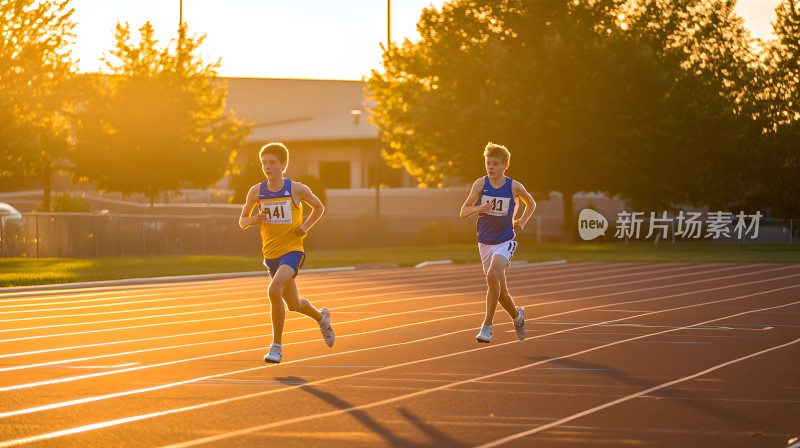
(325, 327)
(485, 334)
(520, 328)
(274, 356)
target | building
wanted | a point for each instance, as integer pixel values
(324, 124)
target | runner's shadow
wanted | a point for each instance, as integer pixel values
(437, 438)
(671, 393)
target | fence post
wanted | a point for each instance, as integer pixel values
(203, 234)
(166, 238)
(69, 231)
(96, 238)
(180, 233)
(121, 238)
(37, 235)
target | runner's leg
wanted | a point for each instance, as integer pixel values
(277, 312)
(296, 303)
(494, 275)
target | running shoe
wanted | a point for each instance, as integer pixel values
(325, 327)
(519, 328)
(485, 334)
(274, 356)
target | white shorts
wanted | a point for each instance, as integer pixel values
(488, 251)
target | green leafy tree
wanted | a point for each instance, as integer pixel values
(700, 134)
(157, 122)
(777, 165)
(585, 99)
(36, 70)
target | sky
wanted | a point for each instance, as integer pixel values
(309, 39)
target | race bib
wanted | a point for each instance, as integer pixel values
(278, 212)
(499, 205)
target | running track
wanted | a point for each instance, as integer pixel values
(618, 354)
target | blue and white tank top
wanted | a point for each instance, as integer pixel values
(496, 226)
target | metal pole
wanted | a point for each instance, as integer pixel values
(121, 238)
(37, 235)
(378, 155)
(69, 246)
(180, 233)
(96, 238)
(166, 237)
(203, 234)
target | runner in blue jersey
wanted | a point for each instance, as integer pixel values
(494, 198)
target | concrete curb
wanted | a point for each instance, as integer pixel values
(433, 263)
(525, 264)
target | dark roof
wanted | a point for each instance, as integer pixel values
(300, 109)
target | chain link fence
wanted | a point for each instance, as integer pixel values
(94, 235)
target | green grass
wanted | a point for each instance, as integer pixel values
(28, 271)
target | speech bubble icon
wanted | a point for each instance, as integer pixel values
(591, 224)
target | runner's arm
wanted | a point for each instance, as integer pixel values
(469, 208)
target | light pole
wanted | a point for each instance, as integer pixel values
(378, 156)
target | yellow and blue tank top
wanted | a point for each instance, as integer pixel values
(496, 226)
(283, 217)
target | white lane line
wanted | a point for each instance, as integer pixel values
(220, 341)
(89, 288)
(351, 298)
(81, 377)
(137, 303)
(341, 279)
(712, 327)
(418, 279)
(523, 283)
(424, 279)
(116, 366)
(20, 367)
(578, 415)
(250, 430)
(92, 297)
(259, 394)
(260, 299)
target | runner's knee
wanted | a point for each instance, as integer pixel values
(275, 291)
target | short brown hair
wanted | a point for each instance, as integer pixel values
(498, 151)
(277, 149)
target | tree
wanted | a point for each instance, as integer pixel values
(777, 184)
(157, 122)
(707, 70)
(586, 98)
(35, 71)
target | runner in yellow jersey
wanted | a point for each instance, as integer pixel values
(279, 202)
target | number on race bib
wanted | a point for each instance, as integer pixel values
(274, 212)
(277, 212)
(499, 205)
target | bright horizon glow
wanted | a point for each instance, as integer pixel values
(307, 39)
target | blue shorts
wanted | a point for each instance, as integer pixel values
(292, 259)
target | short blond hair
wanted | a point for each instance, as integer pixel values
(277, 149)
(498, 151)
